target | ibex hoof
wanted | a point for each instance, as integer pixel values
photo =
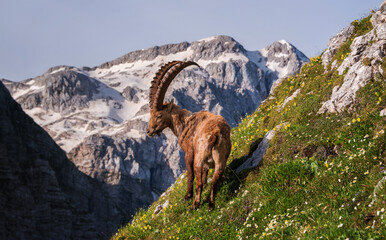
(211, 207)
(187, 197)
(195, 206)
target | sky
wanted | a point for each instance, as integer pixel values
(38, 34)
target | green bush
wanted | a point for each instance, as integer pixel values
(366, 61)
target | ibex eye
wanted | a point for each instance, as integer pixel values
(159, 117)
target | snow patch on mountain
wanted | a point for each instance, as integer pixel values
(226, 57)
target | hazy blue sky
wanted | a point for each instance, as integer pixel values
(38, 34)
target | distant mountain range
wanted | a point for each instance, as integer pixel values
(99, 115)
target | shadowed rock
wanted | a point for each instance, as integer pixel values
(43, 195)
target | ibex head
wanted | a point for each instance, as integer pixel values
(160, 113)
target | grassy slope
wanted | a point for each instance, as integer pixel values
(303, 187)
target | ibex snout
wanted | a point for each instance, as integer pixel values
(152, 133)
(149, 133)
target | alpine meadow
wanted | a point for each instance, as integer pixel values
(309, 163)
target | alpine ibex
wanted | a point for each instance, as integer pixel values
(203, 136)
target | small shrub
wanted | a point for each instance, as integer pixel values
(366, 61)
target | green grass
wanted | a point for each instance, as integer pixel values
(316, 181)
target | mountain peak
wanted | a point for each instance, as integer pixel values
(218, 38)
(284, 42)
(148, 54)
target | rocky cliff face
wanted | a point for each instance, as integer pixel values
(43, 195)
(362, 63)
(99, 115)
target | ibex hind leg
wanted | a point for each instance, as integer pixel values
(198, 171)
(220, 163)
(205, 170)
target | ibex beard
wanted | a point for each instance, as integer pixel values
(203, 136)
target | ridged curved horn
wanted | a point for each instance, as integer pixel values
(162, 80)
(157, 80)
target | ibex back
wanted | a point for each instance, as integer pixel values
(203, 136)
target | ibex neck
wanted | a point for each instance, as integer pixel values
(179, 117)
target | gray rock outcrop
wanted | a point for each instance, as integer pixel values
(260, 151)
(370, 47)
(335, 42)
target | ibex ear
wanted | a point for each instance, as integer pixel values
(170, 106)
